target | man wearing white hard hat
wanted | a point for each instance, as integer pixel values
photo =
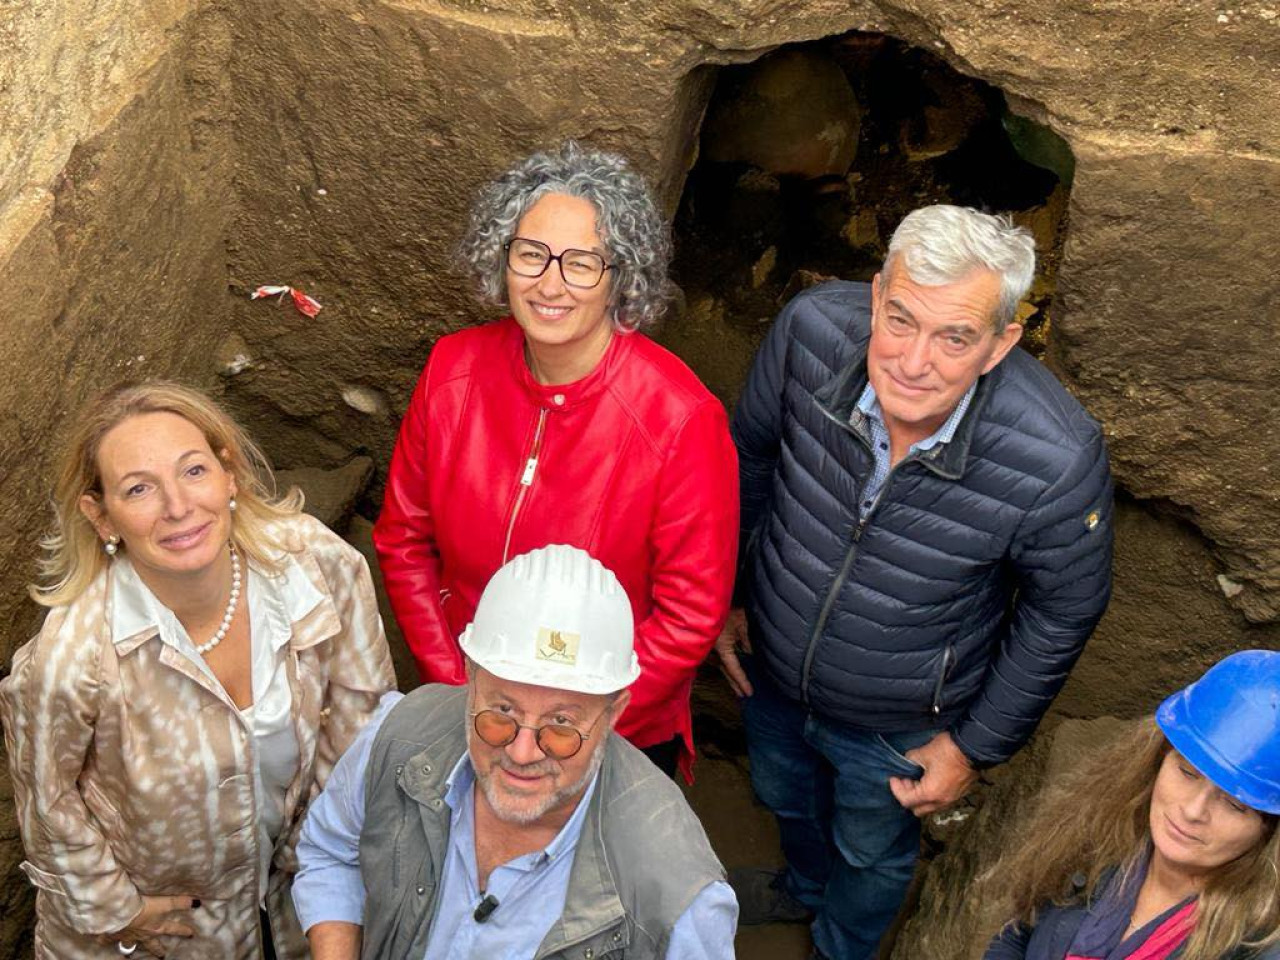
(505, 819)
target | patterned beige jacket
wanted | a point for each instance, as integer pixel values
(133, 770)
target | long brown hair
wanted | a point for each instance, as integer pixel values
(73, 554)
(1097, 820)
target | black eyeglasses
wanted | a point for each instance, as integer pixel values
(557, 740)
(579, 268)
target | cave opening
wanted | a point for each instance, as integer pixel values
(809, 157)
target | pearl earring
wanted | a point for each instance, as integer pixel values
(231, 504)
(112, 545)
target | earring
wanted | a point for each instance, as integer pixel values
(231, 504)
(112, 545)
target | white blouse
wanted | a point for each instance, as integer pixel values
(275, 602)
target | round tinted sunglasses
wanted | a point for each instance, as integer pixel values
(557, 740)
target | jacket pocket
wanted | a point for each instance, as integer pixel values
(908, 767)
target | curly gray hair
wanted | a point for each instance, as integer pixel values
(635, 236)
(944, 244)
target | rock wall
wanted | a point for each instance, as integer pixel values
(113, 200)
(158, 160)
(364, 129)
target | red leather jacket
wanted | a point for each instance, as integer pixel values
(633, 464)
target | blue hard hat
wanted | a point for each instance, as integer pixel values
(1227, 725)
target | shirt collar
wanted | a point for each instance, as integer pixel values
(869, 405)
(459, 789)
(289, 595)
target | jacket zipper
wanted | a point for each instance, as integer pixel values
(828, 603)
(526, 480)
(847, 565)
(947, 656)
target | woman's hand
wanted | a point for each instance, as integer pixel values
(160, 916)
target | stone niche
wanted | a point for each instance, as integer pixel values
(808, 159)
(160, 159)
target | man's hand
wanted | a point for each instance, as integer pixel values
(947, 777)
(160, 916)
(733, 638)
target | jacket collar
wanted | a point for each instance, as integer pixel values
(838, 397)
(136, 615)
(565, 396)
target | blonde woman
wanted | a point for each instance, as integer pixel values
(208, 654)
(1165, 846)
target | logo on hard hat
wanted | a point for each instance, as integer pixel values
(558, 646)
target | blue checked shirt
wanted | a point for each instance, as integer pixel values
(868, 407)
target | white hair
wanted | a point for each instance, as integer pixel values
(945, 244)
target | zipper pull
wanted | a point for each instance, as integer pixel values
(529, 467)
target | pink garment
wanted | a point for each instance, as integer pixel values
(1163, 940)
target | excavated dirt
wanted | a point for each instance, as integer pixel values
(159, 160)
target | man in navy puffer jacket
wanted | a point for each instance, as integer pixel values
(926, 520)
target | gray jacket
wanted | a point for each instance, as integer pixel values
(640, 862)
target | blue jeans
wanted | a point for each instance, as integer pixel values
(850, 847)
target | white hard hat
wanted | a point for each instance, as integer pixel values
(555, 617)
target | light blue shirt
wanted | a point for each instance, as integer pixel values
(530, 889)
(868, 406)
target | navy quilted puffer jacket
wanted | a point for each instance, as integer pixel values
(967, 595)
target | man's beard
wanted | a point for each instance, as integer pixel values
(512, 808)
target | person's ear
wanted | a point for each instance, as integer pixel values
(224, 458)
(619, 704)
(1006, 340)
(92, 509)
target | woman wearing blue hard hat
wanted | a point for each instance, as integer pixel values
(1164, 846)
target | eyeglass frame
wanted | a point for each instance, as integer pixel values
(537, 731)
(558, 259)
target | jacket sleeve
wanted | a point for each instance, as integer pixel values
(405, 539)
(757, 434)
(360, 669)
(692, 543)
(1061, 560)
(49, 705)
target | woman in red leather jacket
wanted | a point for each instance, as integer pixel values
(560, 423)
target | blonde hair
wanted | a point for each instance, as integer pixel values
(73, 552)
(1098, 819)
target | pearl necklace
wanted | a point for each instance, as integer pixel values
(231, 606)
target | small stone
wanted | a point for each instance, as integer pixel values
(1230, 588)
(762, 268)
(232, 356)
(365, 399)
(862, 232)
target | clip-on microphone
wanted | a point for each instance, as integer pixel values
(486, 908)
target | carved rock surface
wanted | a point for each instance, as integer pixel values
(331, 495)
(158, 160)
